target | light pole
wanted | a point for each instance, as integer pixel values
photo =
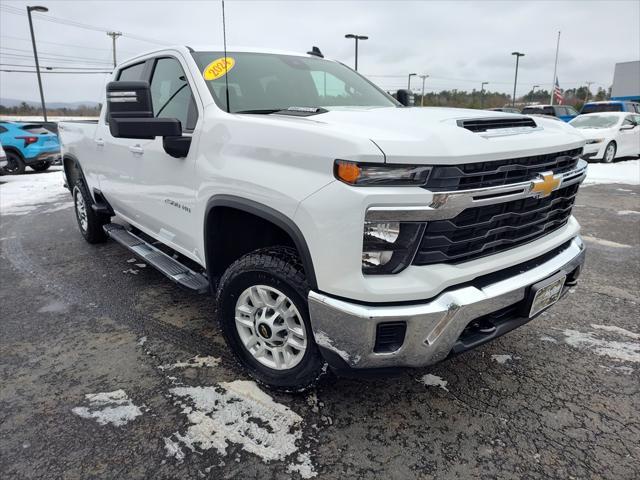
(409, 84)
(533, 89)
(35, 54)
(482, 94)
(423, 77)
(515, 82)
(356, 38)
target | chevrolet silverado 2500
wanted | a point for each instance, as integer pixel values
(334, 224)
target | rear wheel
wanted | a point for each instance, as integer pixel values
(89, 222)
(609, 153)
(41, 166)
(263, 314)
(15, 164)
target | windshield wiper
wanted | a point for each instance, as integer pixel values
(294, 111)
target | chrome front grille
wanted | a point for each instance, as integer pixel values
(501, 172)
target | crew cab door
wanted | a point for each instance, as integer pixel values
(165, 185)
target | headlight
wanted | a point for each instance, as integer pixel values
(389, 247)
(374, 174)
(595, 140)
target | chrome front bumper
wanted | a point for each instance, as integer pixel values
(347, 331)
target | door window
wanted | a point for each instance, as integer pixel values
(132, 73)
(171, 94)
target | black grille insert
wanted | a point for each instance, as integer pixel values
(481, 231)
(499, 172)
(484, 124)
(389, 336)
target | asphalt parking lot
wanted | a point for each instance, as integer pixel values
(110, 371)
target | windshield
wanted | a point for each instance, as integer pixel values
(602, 107)
(271, 82)
(595, 121)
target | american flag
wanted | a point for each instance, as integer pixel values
(557, 93)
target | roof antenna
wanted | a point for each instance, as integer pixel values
(315, 51)
(224, 41)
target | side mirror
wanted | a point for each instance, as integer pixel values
(406, 98)
(130, 113)
(627, 127)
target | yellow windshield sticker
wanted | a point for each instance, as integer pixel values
(218, 68)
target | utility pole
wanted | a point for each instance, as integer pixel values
(356, 38)
(515, 82)
(35, 54)
(533, 89)
(113, 36)
(588, 91)
(423, 77)
(409, 83)
(482, 94)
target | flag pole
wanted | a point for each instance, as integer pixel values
(555, 71)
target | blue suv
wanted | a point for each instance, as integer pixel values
(28, 144)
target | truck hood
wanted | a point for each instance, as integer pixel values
(432, 135)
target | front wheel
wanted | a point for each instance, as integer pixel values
(41, 166)
(89, 222)
(264, 317)
(609, 153)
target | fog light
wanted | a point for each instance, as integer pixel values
(376, 259)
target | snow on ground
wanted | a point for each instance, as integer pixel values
(620, 172)
(434, 381)
(502, 359)
(109, 407)
(21, 194)
(195, 362)
(238, 413)
(615, 349)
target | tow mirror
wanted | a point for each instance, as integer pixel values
(406, 98)
(130, 113)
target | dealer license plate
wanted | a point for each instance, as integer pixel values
(546, 295)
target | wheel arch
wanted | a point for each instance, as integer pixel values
(221, 207)
(12, 149)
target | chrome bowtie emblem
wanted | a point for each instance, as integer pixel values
(546, 184)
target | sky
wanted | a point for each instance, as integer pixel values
(459, 44)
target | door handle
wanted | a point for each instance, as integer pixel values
(100, 142)
(136, 150)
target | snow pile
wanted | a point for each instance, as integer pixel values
(621, 172)
(109, 407)
(238, 412)
(21, 194)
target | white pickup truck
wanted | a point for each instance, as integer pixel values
(334, 224)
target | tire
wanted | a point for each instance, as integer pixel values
(609, 152)
(89, 222)
(271, 272)
(15, 164)
(41, 166)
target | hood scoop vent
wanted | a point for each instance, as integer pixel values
(481, 125)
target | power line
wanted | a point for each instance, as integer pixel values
(73, 23)
(46, 71)
(48, 67)
(71, 45)
(51, 54)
